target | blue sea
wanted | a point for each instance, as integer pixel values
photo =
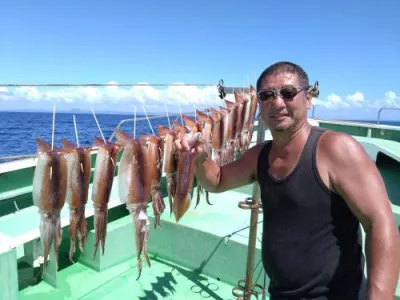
(18, 130)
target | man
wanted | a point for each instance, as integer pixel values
(316, 186)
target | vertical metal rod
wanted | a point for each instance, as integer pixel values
(253, 222)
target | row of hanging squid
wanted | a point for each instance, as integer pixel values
(63, 174)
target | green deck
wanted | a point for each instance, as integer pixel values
(201, 257)
(174, 273)
(163, 280)
(208, 245)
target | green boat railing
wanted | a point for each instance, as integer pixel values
(378, 118)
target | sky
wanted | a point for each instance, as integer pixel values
(351, 47)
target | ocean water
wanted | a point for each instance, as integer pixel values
(18, 130)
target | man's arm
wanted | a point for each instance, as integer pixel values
(218, 179)
(356, 178)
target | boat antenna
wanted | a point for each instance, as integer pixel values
(53, 129)
(52, 136)
(77, 140)
(101, 132)
(166, 109)
(180, 111)
(98, 125)
(148, 120)
(134, 122)
(76, 131)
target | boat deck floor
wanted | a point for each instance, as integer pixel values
(203, 256)
(164, 280)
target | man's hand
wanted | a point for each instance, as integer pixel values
(200, 146)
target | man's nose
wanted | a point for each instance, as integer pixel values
(278, 101)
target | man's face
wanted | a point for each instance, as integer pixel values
(283, 113)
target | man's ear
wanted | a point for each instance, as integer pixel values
(309, 99)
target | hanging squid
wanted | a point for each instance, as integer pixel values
(134, 180)
(102, 183)
(78, 166)
(49, 192)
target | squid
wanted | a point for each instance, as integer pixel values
(240, 102)
(185, 176)
(180, 129)
(78, 168)
(231, 142)
(192, 125)
(216, 136)
(134, 180)
(225, 135)
(48, 193)
(170, 161)
(207, 129)
(155, 157)
(245, 118)
(252, 113)
(102, 183)
(206, 132)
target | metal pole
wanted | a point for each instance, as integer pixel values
(254, 220)
(253, 203)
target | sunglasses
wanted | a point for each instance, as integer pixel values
(287, 93)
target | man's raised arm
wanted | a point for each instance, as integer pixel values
(218, 179)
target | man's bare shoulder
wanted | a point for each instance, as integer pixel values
(340, 149)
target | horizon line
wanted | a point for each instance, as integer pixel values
(161, 113)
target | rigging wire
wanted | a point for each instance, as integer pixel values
(219, 85)
(101, 84)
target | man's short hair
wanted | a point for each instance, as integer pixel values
(284, 67)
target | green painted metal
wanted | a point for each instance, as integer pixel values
(365, 130)
(352, 130)
(8, 270)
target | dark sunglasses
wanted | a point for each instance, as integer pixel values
(287, 93)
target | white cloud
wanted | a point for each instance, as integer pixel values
(114, 98)
(122, 97)
(358, 100)
(332, 101)
(391, 97)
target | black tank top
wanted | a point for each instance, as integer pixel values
(311, 246)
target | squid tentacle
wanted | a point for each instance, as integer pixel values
(142, 224)
(158, 204)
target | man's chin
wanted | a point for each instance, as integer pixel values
(280, 128)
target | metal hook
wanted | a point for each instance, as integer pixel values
(248, 204)
(240, 292)
(221, 89)
(315, 89)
